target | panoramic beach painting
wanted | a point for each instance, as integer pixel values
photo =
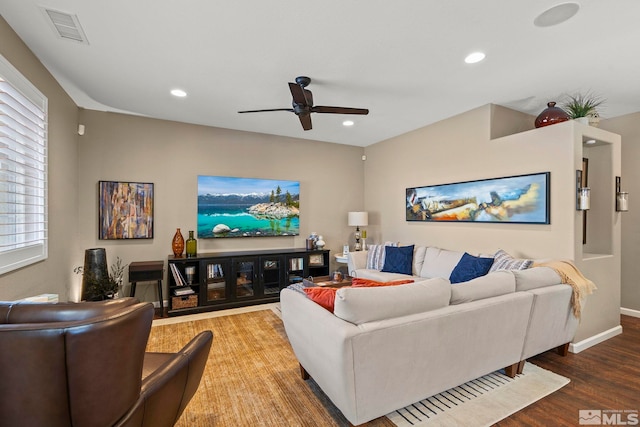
(247, 207)
(515, 199)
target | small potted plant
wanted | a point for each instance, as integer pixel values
(583, 107)
(103, 288)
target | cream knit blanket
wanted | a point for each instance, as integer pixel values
(570, 275)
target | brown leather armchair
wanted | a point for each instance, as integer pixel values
(85, 364)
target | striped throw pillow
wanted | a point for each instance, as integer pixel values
(503, 261)
(375, 256)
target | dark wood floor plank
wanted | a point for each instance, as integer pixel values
(605, 376)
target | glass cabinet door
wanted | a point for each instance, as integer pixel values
(216, 281)
(271, 268)
(295, 269)
(245, 278)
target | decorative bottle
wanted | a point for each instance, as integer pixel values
(192, 246)
(177, 244)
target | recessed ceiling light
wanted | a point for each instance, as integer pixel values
(590, 141)
(348, 123)
(556, 15)
(474, 57)
(179, 93)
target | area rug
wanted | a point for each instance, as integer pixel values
(252, 378)
(481, 402)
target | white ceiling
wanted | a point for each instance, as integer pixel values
(403, 60)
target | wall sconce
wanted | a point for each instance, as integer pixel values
(357, 219)
(622, 198)
(583, 194)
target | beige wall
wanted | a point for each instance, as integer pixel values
(461, 149)
(628, 126)
(171, 155)
(54, 274)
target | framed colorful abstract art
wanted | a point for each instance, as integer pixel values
(523, 199)
(125, 210)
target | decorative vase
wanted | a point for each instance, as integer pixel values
(94, 269)
(177, 244)
(192, 246)
(551, 115)
(320, 243)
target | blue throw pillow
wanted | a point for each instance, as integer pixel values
(469, 267)
(398, 259)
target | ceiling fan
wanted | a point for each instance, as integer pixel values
(303, 104)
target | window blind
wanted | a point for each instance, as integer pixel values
(23, 171)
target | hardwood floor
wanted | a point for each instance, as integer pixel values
(603, 377)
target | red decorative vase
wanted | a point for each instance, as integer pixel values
(177, 244)
(551, 115)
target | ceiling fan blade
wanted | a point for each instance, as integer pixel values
(305, 121)
(299, 95)
(339, 110)
(271, 109)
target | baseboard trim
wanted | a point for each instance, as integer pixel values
(596, 339)
(629, 312)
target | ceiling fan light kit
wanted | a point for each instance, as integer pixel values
(303, 104)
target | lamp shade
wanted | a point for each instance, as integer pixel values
(357, 219)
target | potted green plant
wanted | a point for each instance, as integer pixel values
(103, 288)
(579, 105)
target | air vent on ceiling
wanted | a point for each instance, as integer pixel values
(66, 25)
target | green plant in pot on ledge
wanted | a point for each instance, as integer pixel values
(583, 106)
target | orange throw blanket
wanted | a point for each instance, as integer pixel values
(570, 275)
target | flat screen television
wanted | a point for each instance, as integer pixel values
(247, 207)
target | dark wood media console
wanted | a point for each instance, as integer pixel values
(221, 280)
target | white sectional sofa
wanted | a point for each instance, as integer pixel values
(386, 347)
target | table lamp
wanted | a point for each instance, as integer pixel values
(357, 219)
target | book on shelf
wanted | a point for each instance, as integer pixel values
(186, 290)
(177, 276)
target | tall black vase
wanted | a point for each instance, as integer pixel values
(95, 266)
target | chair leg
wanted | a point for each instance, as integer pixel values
(521, 367)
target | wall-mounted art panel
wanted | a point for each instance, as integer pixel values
(514, 199)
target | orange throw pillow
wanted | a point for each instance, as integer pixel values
(357, 282)
(326, 297)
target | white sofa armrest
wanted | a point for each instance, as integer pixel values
(357, 261)
(322, 345)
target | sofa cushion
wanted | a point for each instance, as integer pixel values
(380, 276)
(536, 277)
(398, 259)
(469, 267)
(358, 282)
(503, 261)
(362, 305)
(324, 297)
(439, 262)
(490, 285)
(418, 259)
